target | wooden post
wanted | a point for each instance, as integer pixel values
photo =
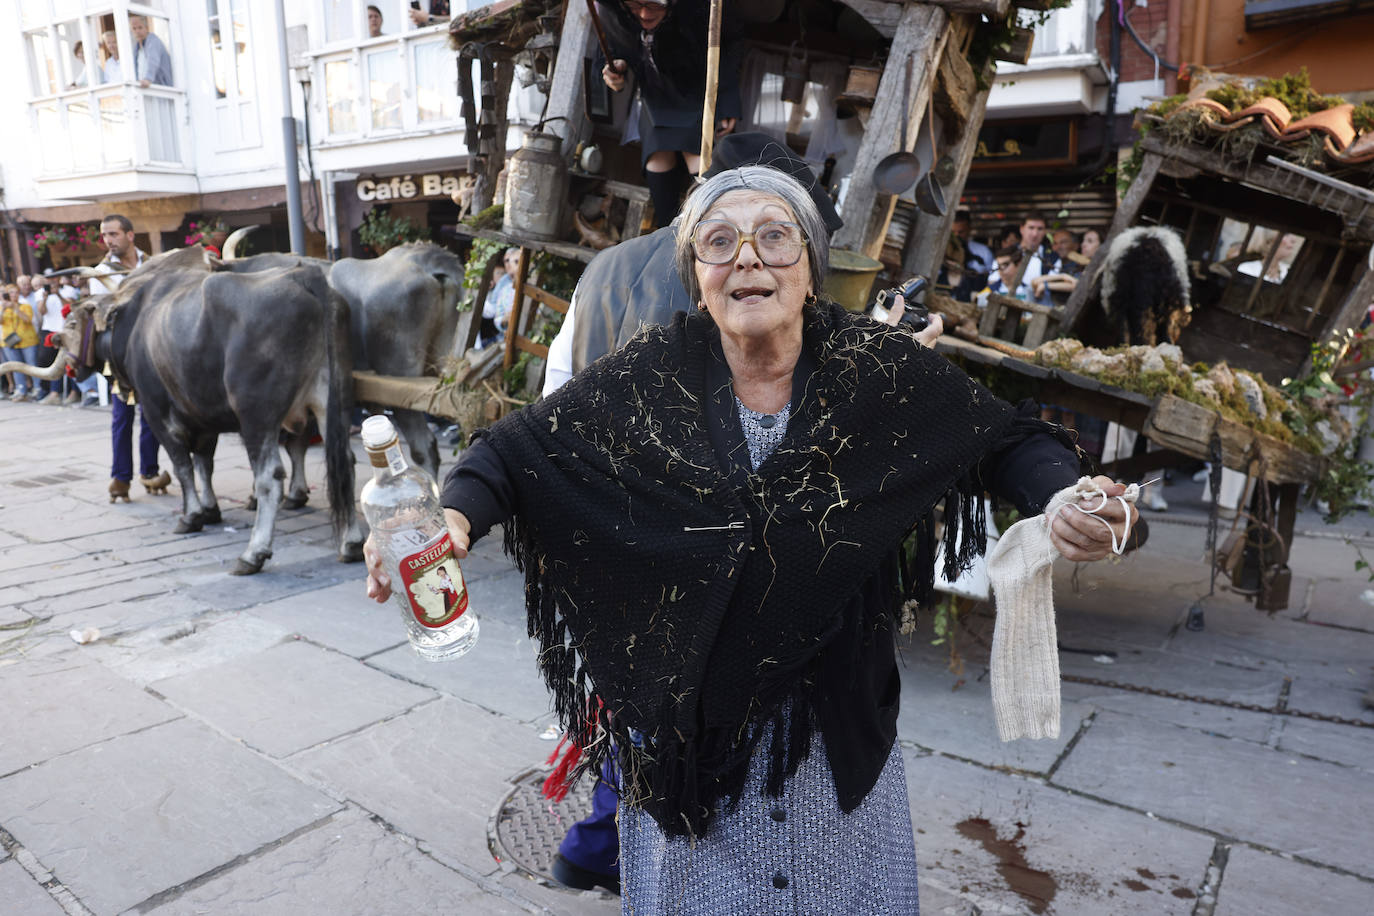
(921, 34)
(565, 92)
(708, 107)
(516, 307)
(925, 243)
(1124, 218)
(1349, 315)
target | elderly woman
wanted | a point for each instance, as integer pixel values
(710, 521)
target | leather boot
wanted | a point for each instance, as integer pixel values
(156, 484)
(119, 489)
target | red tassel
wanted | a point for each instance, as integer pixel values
(558, 782)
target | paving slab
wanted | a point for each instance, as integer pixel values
(1282, 801)
(277, 580)
(960, 721)
(347, 864)
(77, 579)
(1014, 845)
(24, 896)
(1344, 698)
(436, 774)
(22, 555)
(1344, 744)
(560, 900)
(121, 821)
(180, 647)
(499, 673)
(340, 617)
(56, 705)
(1190, 675)
(65, 519)
(1346, 603)
(291, 696)
(1218, 720)
(1258, 883)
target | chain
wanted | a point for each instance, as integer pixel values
(1213, 701)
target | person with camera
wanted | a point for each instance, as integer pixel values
(20, 339)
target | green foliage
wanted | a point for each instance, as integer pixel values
(1346, 484)
(382, 231)
(481, 252)
(490, 218)
(995, 36)
(1363, 116)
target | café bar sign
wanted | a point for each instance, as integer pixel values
(408, 187)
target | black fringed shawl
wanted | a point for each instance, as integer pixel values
(697, 602)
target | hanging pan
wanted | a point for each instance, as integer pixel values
(895, 172)
(930, 196)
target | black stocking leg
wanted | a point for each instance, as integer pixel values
(665, 190)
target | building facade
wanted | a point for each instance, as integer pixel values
(194, 135)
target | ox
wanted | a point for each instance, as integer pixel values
(209, 352)
(403, 312)
(1145, 285)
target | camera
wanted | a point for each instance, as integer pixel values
(917, 316)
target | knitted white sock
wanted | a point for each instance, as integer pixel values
(1025, 654)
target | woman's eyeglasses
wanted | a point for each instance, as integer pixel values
(778, 243)
(638, 6)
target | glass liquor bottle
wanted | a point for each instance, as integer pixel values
(401, 504)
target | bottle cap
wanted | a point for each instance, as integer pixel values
(378, 432)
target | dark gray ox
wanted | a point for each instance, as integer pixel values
(216, 351)
(403, 311)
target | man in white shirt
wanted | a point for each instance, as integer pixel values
(118, 234)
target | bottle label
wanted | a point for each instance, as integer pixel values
(434, 583)
(395, 460)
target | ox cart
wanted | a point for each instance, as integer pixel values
(1280, 259)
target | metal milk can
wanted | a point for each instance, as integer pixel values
(536, 184)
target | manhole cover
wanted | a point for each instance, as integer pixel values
(528, 827)
(47, 480)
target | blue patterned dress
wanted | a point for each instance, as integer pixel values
(796, 854)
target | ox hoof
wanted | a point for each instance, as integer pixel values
(244, 567)
(351, 553)
(252, 505)
(294, 502)
(190, 525)
(211, 516)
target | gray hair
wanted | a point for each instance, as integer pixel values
(764, 180)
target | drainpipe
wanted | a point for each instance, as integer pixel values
(290, 159)
(1202, 11)
(1172, 42)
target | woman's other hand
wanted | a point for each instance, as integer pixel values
(725, 126)
(1082, 539)
(379, 583)
(613, 75)
(925, 337)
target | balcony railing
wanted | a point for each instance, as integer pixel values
(111, 128)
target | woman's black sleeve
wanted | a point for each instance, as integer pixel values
(1033, 461)
(479, 487)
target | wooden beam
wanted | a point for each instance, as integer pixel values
(1187, 427)
(1350, 315)
(957, 89)
(921, 35)
(1123, 220)
(565, 92)
(926, 241)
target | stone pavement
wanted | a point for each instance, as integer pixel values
(271, 744)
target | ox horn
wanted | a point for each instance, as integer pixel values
(87, 273)
(231, 244)
(48, 374)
